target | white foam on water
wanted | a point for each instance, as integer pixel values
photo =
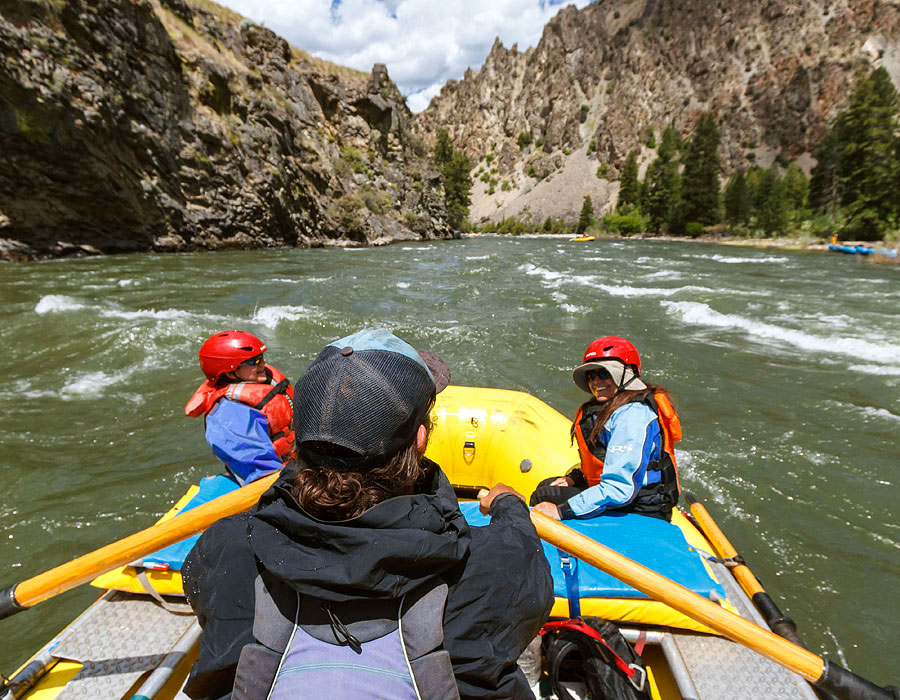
(300, 279)
(91, 384)
(572, 309)
(878, 369)
(271, 316)
(478, 257)
(25, 388)
(628, 291)
(547, 275)
(737, 261)
(402, 285)
(879, 413)
(664, 275)
(163, 315)
(128, 283)
(55, 303)
(857, 348)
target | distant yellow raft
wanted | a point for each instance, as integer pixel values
(582, 238)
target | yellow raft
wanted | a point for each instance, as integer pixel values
(480, 437)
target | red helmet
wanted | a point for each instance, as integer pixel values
(223, 352)
(613, 348)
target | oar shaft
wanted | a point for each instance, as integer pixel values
(680, 598)
(778, 621)
(81, 570)
(823, 674)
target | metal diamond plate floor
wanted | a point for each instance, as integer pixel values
(135, 635)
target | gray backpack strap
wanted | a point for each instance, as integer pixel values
(273, 624)
(422, 632)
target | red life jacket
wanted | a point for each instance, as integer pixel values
(660, 496)
(274, 399)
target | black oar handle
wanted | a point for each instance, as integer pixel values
(846, 684)
(8, 603)
(780, 623)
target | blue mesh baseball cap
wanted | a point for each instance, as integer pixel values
(366, 394)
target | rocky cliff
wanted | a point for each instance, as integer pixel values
(551, 124)
(134, 125)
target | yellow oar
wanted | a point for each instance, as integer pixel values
(778, 621)
(822, 673)
(62, 578)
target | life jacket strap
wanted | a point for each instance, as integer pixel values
(280, 388)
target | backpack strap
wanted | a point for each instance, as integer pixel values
(635, 672)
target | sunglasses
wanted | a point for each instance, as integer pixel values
(253, 361)
(597, 374)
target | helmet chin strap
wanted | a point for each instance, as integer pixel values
(624, 384)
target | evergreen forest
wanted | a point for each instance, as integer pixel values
(850, 193)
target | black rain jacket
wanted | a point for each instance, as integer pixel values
(500, 589)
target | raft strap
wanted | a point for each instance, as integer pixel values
(174, 608)
(729, 562)
(570, 573)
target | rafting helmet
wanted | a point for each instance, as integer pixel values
(223, 352)
(613, 349)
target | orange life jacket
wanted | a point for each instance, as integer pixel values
(655, 496)
(274, 399)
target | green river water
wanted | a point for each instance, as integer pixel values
(785, 367)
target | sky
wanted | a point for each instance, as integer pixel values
(423, 43)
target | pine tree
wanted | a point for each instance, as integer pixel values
(737, 200)
(443, 148)
(796, 187)
(824, 185)
(586, 218)
(700, 180)
(867, 133)
(773, 211)
(661, 183)
(457, 188)
(629, 187)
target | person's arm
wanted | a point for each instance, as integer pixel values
(219, 574)
(633, 437)
(506, 570)
(239, 437)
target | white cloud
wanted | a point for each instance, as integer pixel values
(424, 43)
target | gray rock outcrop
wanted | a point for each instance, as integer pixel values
(136, 125)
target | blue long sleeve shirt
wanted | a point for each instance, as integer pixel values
(633, 439)
(239, 437)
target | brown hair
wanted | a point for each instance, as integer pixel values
(329, 494)
(617, 401)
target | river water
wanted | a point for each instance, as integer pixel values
(785, 367)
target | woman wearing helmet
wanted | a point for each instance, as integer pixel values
(248, 406)
(625, 434)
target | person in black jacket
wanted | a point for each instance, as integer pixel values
(363, 515)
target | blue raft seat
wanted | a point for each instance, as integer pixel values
(652, 542)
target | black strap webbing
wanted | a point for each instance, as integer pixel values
(280, 388)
